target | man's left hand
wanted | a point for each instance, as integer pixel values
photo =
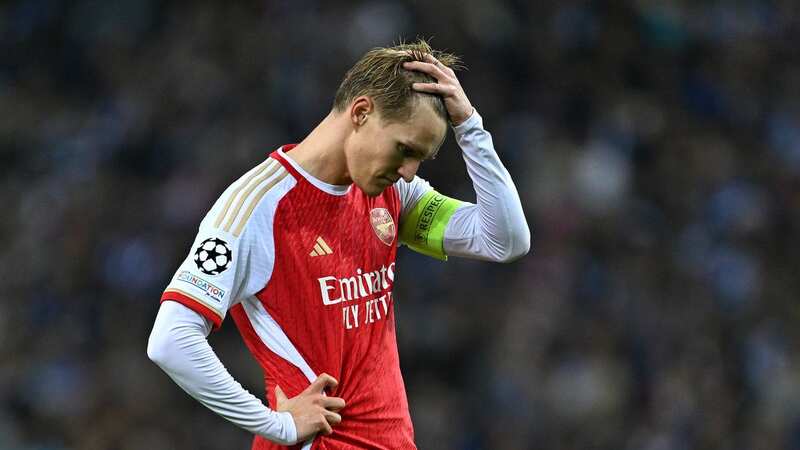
(455, 100)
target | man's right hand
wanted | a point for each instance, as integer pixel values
(312, 410)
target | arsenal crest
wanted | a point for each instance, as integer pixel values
(383, 224)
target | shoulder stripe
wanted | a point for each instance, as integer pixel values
(246, 193)
(278, 178)
(268, 163)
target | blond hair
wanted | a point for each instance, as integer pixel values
(380, 75)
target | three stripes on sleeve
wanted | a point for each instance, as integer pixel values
(270, 170)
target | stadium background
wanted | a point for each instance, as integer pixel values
(655, 145)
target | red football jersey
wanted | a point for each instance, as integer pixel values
(331, 293)
(307, 272)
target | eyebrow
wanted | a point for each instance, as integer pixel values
(419, 151)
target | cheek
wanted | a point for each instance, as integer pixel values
(390, 155)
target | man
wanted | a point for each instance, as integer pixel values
(302, 249)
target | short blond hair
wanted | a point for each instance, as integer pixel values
(380, 75)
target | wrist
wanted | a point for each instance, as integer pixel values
(289, 426)
(456, 121)
(282, 429)
(473, 121)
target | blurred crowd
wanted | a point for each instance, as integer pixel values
(655, 145)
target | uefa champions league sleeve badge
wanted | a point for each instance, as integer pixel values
(213, 256)
(383, 225)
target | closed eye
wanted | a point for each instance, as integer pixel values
(407, 152)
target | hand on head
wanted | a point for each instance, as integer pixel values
(455, 99)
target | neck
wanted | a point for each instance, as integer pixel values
(321, 153)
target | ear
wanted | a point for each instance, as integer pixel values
(360, 109)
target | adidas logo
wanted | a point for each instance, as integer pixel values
(321, 248)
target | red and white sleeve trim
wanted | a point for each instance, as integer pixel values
(193, 303)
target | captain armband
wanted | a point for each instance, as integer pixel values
(422, 229)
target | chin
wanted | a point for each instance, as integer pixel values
(372, 189)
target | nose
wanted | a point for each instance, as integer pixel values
(409, 169)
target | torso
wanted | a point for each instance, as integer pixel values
(330, 295)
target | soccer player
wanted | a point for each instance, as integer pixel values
(301, 252)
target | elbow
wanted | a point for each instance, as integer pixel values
(523, 244)
(519, 244)
(157, 349)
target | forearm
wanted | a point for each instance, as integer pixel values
(178, 345)
(495, 227)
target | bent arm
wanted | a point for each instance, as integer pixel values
(178, 345)
(494, 228)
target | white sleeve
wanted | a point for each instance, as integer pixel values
(233, 253)
(178, 345)
(495, 228)
(231, 258)
(411, 193)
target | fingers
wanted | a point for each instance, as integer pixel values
(332, 417)
(333, 403)
(431, 66)
(326, 427)
(322, 382)
(434, 88)
(427, 67)
(312, 410)
(329, 419)
(431, 59)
